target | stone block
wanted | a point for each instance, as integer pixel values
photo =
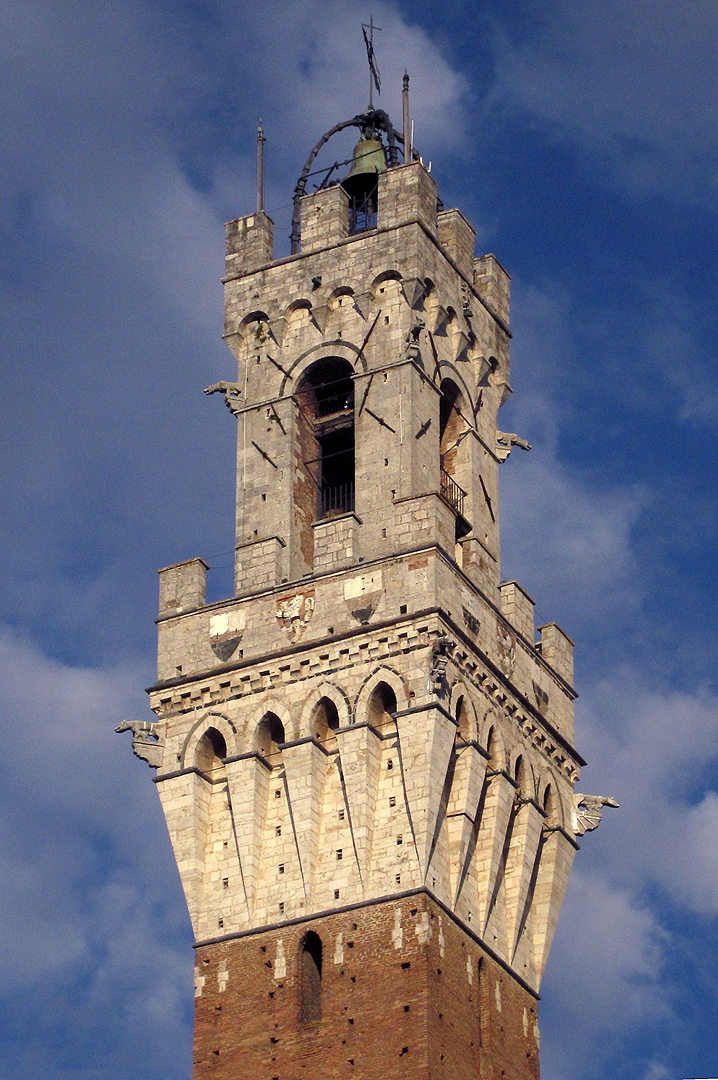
(249, 243)
(557, 650)
(457, 238)
(182, 587)
(492, 283)
(325, 218)
(518, 607)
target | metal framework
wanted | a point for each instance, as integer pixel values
(376, 119)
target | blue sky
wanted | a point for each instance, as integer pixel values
(581, 139)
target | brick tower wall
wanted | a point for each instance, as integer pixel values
(405, 993)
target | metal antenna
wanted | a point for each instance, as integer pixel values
(260, 167)
(374, 75)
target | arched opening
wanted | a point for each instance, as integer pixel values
(550, 806)
(324, 468)
(463, 720)
(520, 774)
(268, 738)
(211, 749)
(310, 978)
(454, 433)
(492, 749)
(381, 707)
(325, 721)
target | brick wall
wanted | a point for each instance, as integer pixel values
(405, 993)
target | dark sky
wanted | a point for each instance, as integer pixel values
(581, 140)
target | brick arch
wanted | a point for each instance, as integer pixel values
(301, 303)
(382, 675)
(380, 279)
(556, 815)
(249, 319)
(336, 695)
(445, 369)
(324, 350)
(223, 725)
(490, 732)
(280, 709)
(339, 292)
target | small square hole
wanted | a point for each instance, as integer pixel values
(398, 879)
(225, 882)
(220, 922)
(281, 906)
(339, 854)
(336, 894)
(278, 830)
(392, 800)
(341, 815)
(399, 840)
(277, 793)
(390, 764)
(281, 868)
(402, 609)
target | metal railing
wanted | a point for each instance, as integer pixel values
(451, 491)
(338, 499)
(337, 403)
(362, 214)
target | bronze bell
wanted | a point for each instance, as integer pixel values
(368, 161)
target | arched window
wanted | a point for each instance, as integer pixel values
(463, 720)
(211, 748)
(325, 721)
(520, 774)
(550, 807)
(324, 472)
(454, 450)
(491, 749)
(268, 738)
(381, 707)
(310, 978)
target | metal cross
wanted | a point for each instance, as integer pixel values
(374, 74)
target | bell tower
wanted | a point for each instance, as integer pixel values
(365, 756)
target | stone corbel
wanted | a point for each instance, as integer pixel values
(414, 289)
(320, 316)
(278, 329)
(363, 302)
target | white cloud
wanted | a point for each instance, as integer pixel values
(603, 980)
(96, 937)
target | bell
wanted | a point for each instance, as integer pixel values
(367, 161)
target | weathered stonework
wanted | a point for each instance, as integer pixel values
(366, 747)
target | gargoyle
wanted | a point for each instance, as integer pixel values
(587, 809)
(232, 396)
(146, 742)
(440, 655)
(412, 339)
(505, 440)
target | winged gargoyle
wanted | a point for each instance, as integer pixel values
(146, 742)
(587, 810)
(505, 440)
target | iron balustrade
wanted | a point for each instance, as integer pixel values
(338, 403)
(362, 213)
(451, 491)
(337, 499)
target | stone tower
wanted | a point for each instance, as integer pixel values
(364, 757)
